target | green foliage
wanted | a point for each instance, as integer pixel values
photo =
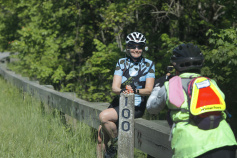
(74, 45)
(163, 56)
(40, 45)
(51, 41)
(8, 24)
(97, 73)
(221, 64)
(221, 57)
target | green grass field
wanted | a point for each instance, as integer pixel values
(26, 131)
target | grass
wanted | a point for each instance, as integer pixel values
(26, 131)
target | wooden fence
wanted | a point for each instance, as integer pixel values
(150, 136)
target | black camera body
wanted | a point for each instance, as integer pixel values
(170, 69)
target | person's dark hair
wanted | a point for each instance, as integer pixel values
(187, 58)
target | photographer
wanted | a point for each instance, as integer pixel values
(205, 134)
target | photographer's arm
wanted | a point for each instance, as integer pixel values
(157, 100)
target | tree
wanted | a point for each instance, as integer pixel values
(221, 63)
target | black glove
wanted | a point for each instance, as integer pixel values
(169, 77)
(160, 81)
(134, 89)
(122, 90)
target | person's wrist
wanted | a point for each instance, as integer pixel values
(122, 90)
(137, 91)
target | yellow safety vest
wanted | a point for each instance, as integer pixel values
(188, 140)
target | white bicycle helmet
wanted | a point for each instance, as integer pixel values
(136, 37)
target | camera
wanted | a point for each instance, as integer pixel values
(170, 68)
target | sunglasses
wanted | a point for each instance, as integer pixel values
(135, 46)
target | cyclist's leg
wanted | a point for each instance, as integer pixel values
(102, 144)
(109, 118)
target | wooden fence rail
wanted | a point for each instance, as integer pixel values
(150, 136)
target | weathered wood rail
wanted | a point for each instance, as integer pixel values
(150, 136)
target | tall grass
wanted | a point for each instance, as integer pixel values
(25, 131)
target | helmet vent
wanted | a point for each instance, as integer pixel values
(188, 64)
(136, 37)
(197, 63)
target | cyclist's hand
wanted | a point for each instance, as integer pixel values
(129, 89)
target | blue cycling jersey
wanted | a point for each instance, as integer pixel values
(135, 74)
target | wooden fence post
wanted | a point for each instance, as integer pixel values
(126, 126)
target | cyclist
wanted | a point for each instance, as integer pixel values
(133, 73)
(190, 139)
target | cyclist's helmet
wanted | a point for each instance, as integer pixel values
(187, 57)
(136, 37)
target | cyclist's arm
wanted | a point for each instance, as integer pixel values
(116, 85)
(148, 87)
